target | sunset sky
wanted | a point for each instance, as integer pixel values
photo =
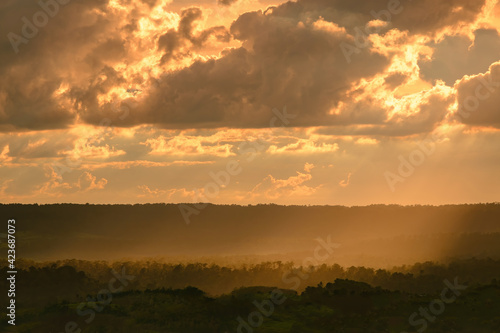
(349, 102)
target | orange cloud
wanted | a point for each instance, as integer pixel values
(4, 155)
(88, 182)
(345, 182)
(304, 146)
(271, 188)
(367, 141)
(145, 164)
(308, 167)
(187, 145)
(55, 186)
(169, 195)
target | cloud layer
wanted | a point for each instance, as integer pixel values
(142, 100)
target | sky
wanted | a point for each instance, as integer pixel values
(250, 101)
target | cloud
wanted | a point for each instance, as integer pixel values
(303, 146)
(456, 56)
(308, 167)
(367, 141)
(187, 145)
(30, 80)
(425, 17)
(346, 182)
(395, 80)
(4, 155)
(283, 61)
(170, 195)
(108, 89)
(298, 63)
(55, 186)
(86, 51)
(376, 111)
(287, 55)
(226, 2)
(88, 182)
(4, 185)
(478, 98)
(178, 44)
(84, 149)
(122, 165)
(271, 188)
(291, 55)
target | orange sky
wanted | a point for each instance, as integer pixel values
(245, 101)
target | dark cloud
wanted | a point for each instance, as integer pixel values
(456, 56)
(286, 60)
(174, 42)
(417, 16)
(226, 2)
(37, 144)
(72, 47)
(85, 99)
(282, 63)
(479, 98)
(430, 113)
(395, 80)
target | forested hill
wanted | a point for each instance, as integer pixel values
(373, 235)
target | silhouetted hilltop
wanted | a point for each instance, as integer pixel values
(376, 235)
